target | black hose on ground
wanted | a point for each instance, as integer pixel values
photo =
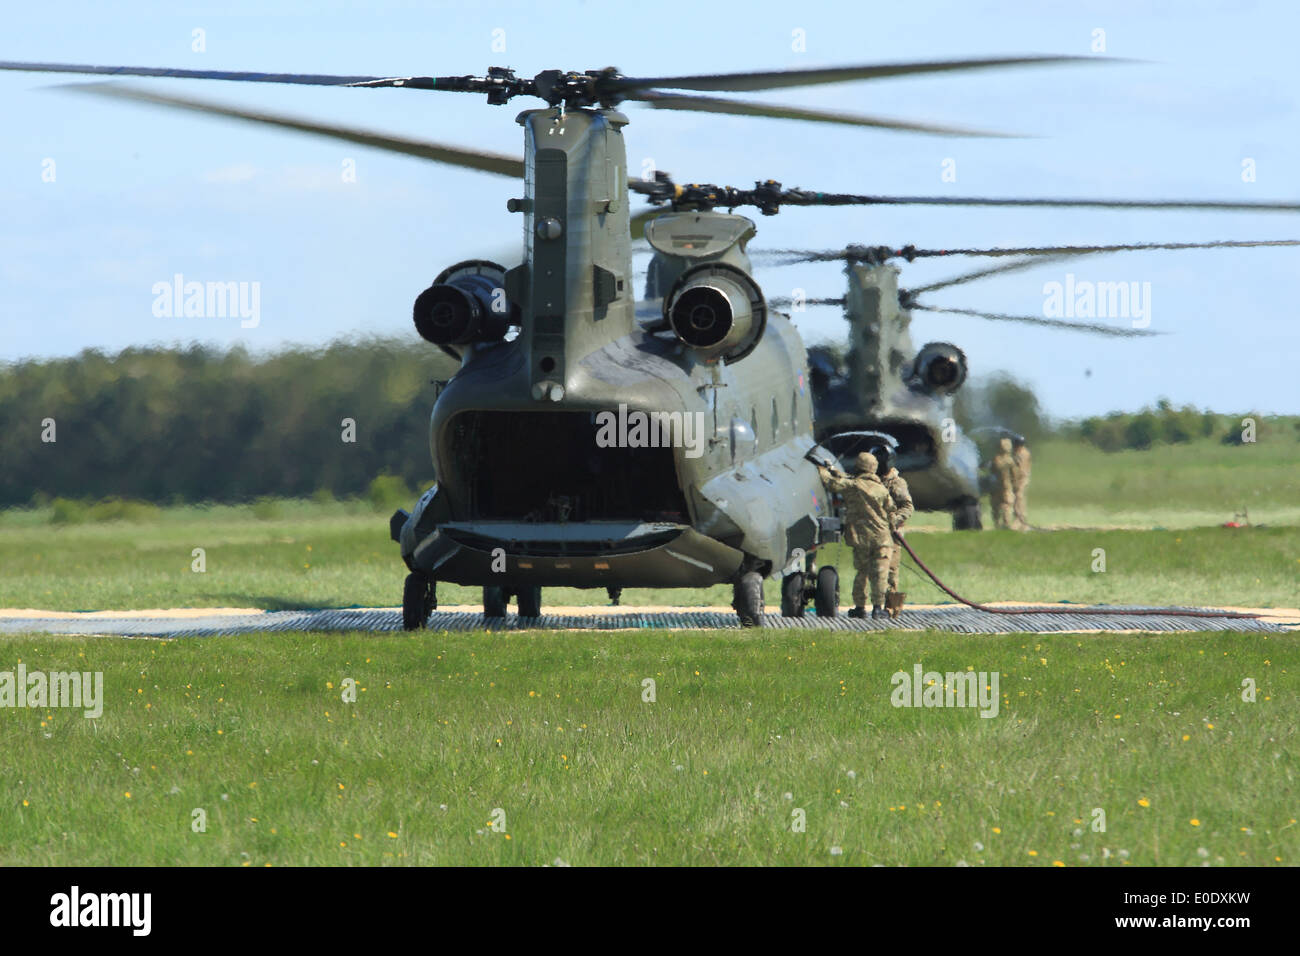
(1170, 612)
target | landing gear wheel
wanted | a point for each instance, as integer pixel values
(792, 600)
(615, 595)
(418, 600)
(966, 516)
(530, 602)
(826, 598)
(748, 600)
(494, 601)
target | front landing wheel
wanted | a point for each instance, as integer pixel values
(748, 599)
(827, 596)
(530, 602)
(494, 601)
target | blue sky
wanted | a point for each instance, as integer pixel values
(141, 194)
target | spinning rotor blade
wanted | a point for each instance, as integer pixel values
(1090, 327)
(784, 79)
(784, 301)
(302, 79)
(495, 163)
(984, 273)
(711, 104)
(880, 253)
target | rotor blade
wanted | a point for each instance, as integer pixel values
(1090, 327)
(983, 273)
(302, 79)
(785, 301)
(711, 104)
(788, 257)
(496, 163)
(783, 79)
(1096, 250)
(1204, 205)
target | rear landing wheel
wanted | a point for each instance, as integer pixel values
(966, 516)
(748, 600)
(530, 602)
(494, 602)
(827, 596)
(418, 600)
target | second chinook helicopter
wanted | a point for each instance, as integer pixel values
(880, 390)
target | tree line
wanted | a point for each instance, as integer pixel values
(168, 425)
(204, 424)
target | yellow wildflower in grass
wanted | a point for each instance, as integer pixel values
(1144, 802)
(1194, 822)
(392, 835)
(997, 829)
(1033, 853)
(1057, 863)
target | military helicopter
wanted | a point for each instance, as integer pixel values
(587, 450)
(883, 386)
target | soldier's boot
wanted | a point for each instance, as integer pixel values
(857, 612)
(877, 612)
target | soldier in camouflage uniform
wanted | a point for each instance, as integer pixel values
(1021, 457)
(1004, 485)
(902, 499)
(868, 511)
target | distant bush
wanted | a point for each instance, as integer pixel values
(1150, 426)
(388, 493)
(266, 509)
(67, 511)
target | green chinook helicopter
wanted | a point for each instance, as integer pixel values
(881, 394)
(577, 445)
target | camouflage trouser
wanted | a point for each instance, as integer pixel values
(1004, 508)
(1021, 506)
(895, 556)
(871, 561)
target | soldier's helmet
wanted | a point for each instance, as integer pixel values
(1005, 445)
(866, 463)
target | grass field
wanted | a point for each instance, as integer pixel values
(747, 727)
(552, 729)
(300, 554)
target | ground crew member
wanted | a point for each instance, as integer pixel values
(1004, 485)
(902, 499)
(868, 510)
(1021, 457)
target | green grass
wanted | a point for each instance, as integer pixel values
(551, 728)
(1195, 484)
(335, 559)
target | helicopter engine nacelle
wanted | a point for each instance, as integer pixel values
(466, 303)
(717, 310)
(940, 368)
